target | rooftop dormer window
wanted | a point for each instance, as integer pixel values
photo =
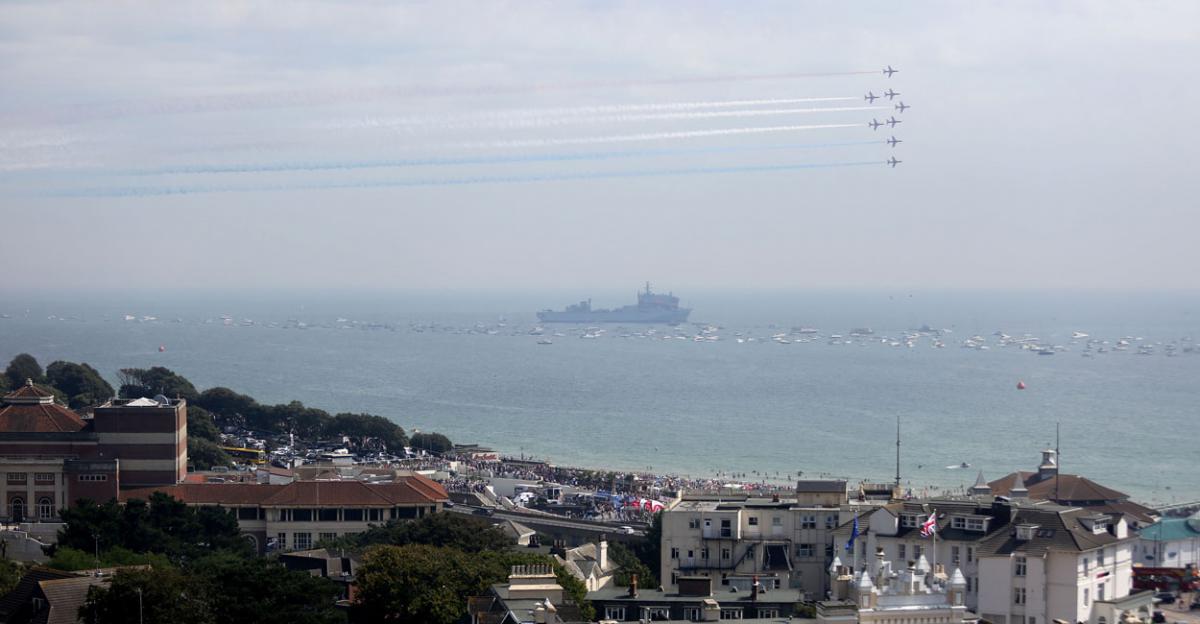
(1026, 532)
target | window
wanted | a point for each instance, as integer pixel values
(1087, 566)
(1100, 591)
(830, 522)
(325, 537)
(1100, 558)
(691, 614)
(725, 554)
(970, 554)
(17, 509)
(731, 614)
(916, 551)
(658, 613)
(753, 520)
(954, 555)
(975, 524)
(693, 523)
(303, 541)
(901, 552)
(776, 521)
(247, 513)
(1019, 568)
(44, 477)
(17, 477)
(726, 531)
(93, 477)
(970, 584)
(281, 541)
(302, 515)
(808, 522)
(910, 520)
(614, 613)
(1085, 596)
(45, 508)
(327, 515)
(352, 515)
(691, 554)
(1019, 595)
(806, 550)
(704, 553)
(374, 515)
(768, 613)
(674, 553)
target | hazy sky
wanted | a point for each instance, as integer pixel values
(598, 145)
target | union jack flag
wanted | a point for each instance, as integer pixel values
(929, 527)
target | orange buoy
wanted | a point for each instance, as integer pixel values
(162, 348)
(1020, 385)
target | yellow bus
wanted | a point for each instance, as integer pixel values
(254, 456)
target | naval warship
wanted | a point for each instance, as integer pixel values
(651, 308)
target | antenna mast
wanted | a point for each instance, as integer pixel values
(1057, 462)
(897, 451)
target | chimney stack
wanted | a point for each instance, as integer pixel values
(602, 552)
(633, 586)
(754, 590)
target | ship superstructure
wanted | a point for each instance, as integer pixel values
(651, 308)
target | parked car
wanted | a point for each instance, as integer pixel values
(1165, 597)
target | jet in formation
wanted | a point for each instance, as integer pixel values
(890, 94)
(870, 97)
(893, 121)
(889, 71)
(893, 162)
(874, 124)
(893, 141)
(902, 106)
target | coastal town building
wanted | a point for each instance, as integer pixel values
(1022, 562)
(1169, 543)
(695, 599)
(784, 543)
(882, 593)
(530, 595)
(51, 457)
(589, 563)
(300, 514)
(1046, 484)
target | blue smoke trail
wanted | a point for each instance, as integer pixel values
(473, 160)
(463, 181)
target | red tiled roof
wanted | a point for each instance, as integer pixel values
(29, 391)
(39, 418)
(410, 490)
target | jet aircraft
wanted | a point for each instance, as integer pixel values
(902, 106)
(890, 94)
(889, 71)
(874, 124)
(893, 121)
(893, 141)
(870, 97)
(893, 162)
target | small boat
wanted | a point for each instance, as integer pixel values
(545, 341)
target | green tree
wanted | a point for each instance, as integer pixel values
(262, 591)
(630, 565)
(161, 595)
(649, 550)
(368, 430)
(21, 368)
(204, 453)
(80, 383)
(10, 575)
(418, 583)
(306, 422)
(147, 382)
(71, 559)
(460, 532)
(432, 442)
(200, 424)
(226, 405)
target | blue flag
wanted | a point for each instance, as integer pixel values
(853, 535)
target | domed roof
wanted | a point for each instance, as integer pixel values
(31, 409)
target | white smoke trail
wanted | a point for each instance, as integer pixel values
(583, 111)
(649, 136)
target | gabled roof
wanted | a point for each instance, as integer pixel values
(65, 596)
(11, 602)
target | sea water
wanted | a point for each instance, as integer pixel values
(467, 365)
